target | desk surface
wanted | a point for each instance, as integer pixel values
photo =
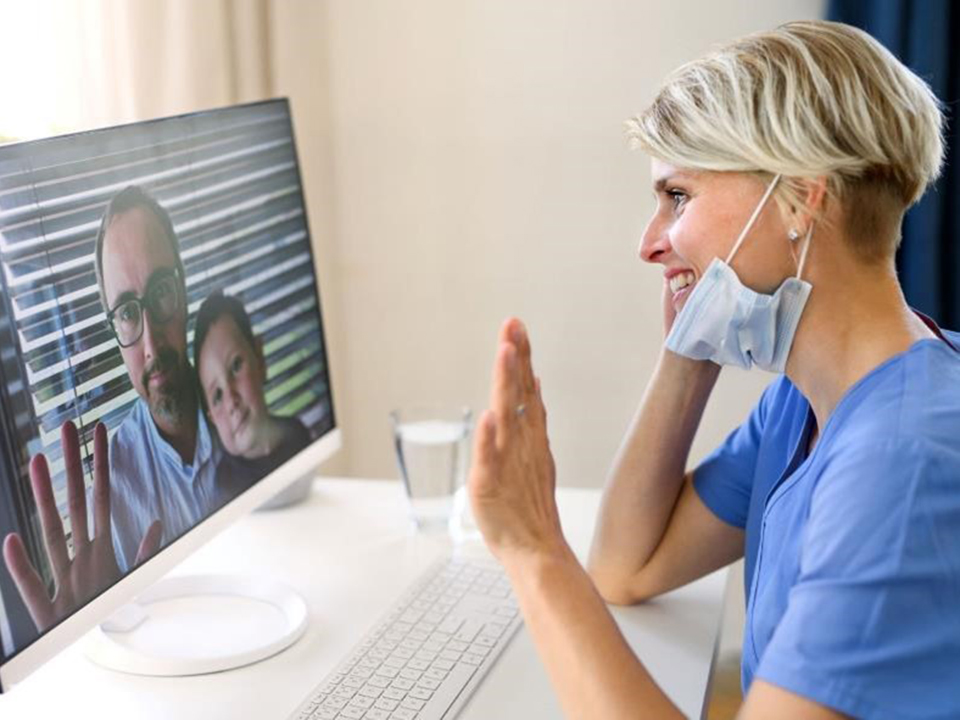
(350, 551)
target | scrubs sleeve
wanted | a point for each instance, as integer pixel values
(871, 627)
(724, 479)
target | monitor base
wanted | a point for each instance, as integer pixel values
(199, 624)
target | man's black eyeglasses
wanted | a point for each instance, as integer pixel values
(161, 300)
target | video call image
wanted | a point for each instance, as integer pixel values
(161, 347)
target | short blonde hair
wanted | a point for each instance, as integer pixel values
(806, 100)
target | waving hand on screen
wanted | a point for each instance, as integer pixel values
(93, 567)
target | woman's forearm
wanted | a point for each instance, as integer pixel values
(594, 671)
(648, 471)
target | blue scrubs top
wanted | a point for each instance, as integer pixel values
(852, 557)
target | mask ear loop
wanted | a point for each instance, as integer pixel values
(753, 218)
(806, 248)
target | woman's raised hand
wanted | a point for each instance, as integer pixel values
(513, 479)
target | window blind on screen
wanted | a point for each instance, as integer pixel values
(229, 181)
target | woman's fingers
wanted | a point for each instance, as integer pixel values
(505, 397)
(485, 451)
(101, 481)
(76, 492)
(525, 358)
(50, 522)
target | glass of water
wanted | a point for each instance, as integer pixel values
(433, 450)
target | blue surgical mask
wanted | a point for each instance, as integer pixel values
(725, 321)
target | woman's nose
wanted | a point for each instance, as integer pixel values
(654, 244)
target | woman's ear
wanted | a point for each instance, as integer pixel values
(814, 193)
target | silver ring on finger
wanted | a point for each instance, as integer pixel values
(521, 410)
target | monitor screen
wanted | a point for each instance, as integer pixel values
(161, 345)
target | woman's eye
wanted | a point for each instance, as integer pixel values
(678, 197)
(236, 364)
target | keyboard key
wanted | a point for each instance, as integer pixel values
(418, 664)
(371, 691)
(494, 629)
(485, 640)
(420, 693)
(388, 704)
(403, 714)
(457, 646)
(361, 702)
(386, 671)
(392, 693)
(376, 714)
(412, 703)
(428, 683)
(468, 631)
(410, 674)
(334, 702)
(479, 649)
(442, 664)
(471, 659)
(380, 681)
(435, 674)
(450, 625)
(325, 714)
(353, 713)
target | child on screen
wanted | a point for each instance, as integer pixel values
(232, 372)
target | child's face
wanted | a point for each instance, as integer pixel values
(232, 374)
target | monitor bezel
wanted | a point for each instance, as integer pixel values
(58, 638)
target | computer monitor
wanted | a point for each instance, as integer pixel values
(160, 298)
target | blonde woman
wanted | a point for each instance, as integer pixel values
(782, 165)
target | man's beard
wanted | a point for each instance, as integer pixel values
(174, 402)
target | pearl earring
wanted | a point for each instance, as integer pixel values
(794, 234)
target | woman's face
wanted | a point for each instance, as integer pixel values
(699, 216)
(232, 374)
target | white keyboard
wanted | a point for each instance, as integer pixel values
(424, 659)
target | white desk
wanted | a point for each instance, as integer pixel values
(350, 552)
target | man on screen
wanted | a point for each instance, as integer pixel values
(161, 477)
(163, 457)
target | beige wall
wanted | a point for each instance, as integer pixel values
(468, 163)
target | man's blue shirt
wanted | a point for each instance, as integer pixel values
(149, 481)
(852, 557)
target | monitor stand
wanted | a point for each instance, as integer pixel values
(198, 624)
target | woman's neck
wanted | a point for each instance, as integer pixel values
(856, 318)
